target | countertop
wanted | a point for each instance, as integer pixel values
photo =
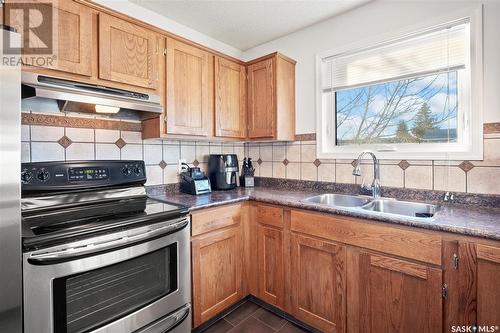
(456, 218)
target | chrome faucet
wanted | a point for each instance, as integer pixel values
(375, 187)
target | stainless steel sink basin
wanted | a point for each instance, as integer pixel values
(405, 208)
(339, 200)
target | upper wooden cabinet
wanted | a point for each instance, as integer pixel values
(271, 98)
(72, 40)
(188, 89)
(127, 53)
(230, 99)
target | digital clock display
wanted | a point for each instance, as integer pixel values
(82, 174)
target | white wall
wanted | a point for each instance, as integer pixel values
(378, 19)
(148, 16)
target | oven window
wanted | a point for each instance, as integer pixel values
(88, 300)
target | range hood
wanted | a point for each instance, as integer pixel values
(84, 97)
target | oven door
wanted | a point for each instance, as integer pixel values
(133, 280)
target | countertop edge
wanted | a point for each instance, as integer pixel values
(433, 225)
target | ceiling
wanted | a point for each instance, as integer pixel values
(244, 24)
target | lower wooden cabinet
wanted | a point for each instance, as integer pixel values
(319, 283)
(478, 277)
(386, 294)
(217, 272)
(488, 285)
(270, 265)
(343, 275)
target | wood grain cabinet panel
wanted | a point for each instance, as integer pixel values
(270, 215)
(188, 88)
(488, 285)
(271, 98)
(230, 99)
(72, 41)
(387, 294)
(128, 53)
(261, 100)
(270, 265)
(217, 272)
(319, 283)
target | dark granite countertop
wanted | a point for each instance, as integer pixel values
(456, 218)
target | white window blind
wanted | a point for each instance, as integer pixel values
(443, 49)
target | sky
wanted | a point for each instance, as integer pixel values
(439, 91)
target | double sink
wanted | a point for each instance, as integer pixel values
(380, 205)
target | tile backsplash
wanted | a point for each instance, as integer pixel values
(54, 143)
(297, 160)
(290, 160)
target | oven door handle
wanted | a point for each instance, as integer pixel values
(50, 258)
(167, 323)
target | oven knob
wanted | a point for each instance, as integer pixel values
(126, 171)
(43, 175)
(26, 176)
(137, 171)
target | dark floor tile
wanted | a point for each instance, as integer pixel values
(269, 318)
(241, 313)
(252, 325)
(222, 326)
(291, 328)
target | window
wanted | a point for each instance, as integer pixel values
(410, 97)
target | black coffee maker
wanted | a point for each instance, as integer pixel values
(223, 171)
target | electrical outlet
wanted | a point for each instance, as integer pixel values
(181, 167)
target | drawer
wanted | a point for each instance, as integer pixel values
(270, 215)
(425, 247)
(210, 219)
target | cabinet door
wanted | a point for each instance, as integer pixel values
(187, 89)
(230, 99)
(319, 283)
(261, 101)
(386, 294)
(71, 36)
(270, 265)
(128, 53)
(217, 263)
(488, 285)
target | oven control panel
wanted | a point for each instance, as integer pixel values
(51, 176)
(88, 174)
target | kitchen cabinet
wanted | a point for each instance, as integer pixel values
(345, 274)
(318, 282)
(488, 279)
(217, 261)
(128, 53)
(188, 109)
(71, 39)
(271, 98)
(477, 277)
(270, 265)
(230, 99)
(271, 253)
(388, 294)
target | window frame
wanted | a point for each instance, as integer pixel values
(469, 145)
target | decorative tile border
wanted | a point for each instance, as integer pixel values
(77, 122)
(484, 200)
(305, 137)
(490, 128)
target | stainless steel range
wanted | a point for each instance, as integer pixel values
(98, 254)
